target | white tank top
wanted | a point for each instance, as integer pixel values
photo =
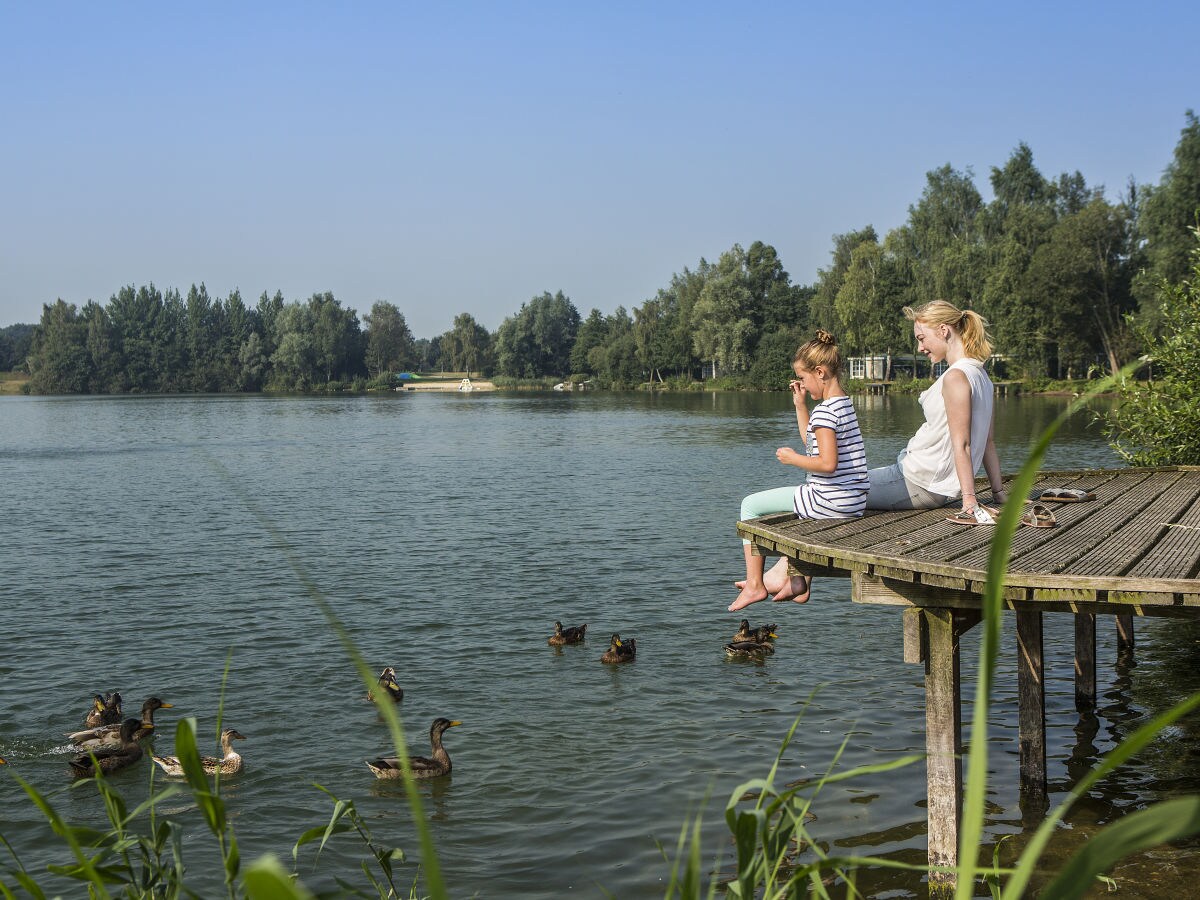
(928, 460)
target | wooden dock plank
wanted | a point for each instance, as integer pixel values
(1137, 535)
(1177, 553)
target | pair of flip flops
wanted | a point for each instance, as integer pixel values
(1037, 516)
(1066, 495)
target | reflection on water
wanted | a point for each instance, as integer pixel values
(448, 533)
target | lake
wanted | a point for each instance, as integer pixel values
(146, 538)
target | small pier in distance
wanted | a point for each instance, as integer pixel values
(1132, 551)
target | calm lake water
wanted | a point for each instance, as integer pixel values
(449, 532)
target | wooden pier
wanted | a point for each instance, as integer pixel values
(1132, 551)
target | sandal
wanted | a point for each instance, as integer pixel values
(1066, 495)
(1039, 516)
(976, 515)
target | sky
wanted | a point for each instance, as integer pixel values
(465, 157)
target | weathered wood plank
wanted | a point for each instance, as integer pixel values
(1137, 535)
(1177, 552)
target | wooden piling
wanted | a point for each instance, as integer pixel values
(1085, 661)
(1031, 707)
(1124, 634)
(943, 740)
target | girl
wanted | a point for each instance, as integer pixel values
(835, 460)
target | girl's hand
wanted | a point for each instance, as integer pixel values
(799, 393)
(787, 456)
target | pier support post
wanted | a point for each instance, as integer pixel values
(1125, 634)
(943, 739)
(1031, 710)
(1085, 661)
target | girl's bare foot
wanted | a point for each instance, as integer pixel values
(797, 590)
(775, 579)
(750, 594)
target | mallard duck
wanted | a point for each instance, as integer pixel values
(388, 685)
(564, 636)
(110, 759)
(110, 735)
(105, 711)
(230, 762)
(749, 649)
(759, 635)
(422, 767)
(619, 650)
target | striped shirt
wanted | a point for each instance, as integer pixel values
(842, 493)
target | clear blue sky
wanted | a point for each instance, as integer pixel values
(464, 157)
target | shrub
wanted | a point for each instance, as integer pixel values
(1157, 422)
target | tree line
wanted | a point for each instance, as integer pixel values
(1068, 278)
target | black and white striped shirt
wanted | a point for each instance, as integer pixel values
(841, 494)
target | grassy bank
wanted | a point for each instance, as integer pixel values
(13, 383)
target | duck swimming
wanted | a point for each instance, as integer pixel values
(388, 686)
(230, 762)
(105, 711)
(619, 650)
(110, 735)
(759, 635)
(562, 636)
(110, 759)
(438, 763)
(749, 649)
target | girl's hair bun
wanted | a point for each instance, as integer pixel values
(826, 338)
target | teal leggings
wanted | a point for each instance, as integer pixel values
(776, 500)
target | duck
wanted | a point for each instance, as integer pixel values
(388, 685)
(759, 635)
(562, 636)
(438, 763)
(110, 759)
(105, 711)
(110, 735)
(749, 649)
(619, 650)
(230, 762)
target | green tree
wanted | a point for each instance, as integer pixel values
(723, 331)
(822, 311)
(467, 347)
(1157, 423)
(294, 362)
(102, 362)
(538, 340)
(15, 341)
(58, 358)
(389, 340)
(592, 333)
(868, 304)
(1167, 213)
(616, 360)
(1081, 276)
(336, 339)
